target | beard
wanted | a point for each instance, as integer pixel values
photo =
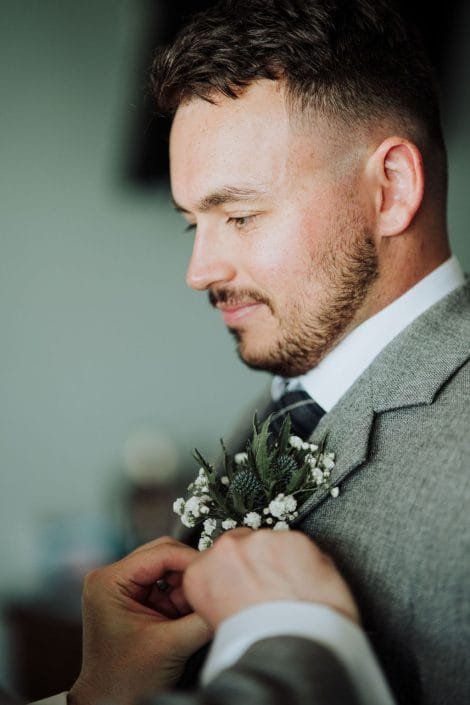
(309, 329)
(312, 334)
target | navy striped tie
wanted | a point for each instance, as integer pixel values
(304, 413)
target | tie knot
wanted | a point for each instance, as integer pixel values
(304, 413)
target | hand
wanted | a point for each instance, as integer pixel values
(246, 567)
(136, 637)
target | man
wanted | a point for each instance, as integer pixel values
(308, 158)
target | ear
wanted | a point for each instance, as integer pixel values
(397, 173)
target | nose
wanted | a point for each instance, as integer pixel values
(210, 263)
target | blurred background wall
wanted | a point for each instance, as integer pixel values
(105, 354)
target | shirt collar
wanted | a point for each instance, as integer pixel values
(332, 377)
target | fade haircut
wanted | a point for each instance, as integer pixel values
(355, 61)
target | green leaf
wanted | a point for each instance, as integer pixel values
(298, 479)
(229, 461)
(283, 442)
(202, 461)
(238, 504)
(261, 453)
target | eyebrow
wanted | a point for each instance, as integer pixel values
(226, 194)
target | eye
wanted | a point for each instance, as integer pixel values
(241, 222)
(190, 227)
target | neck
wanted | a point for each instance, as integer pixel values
(399, 273)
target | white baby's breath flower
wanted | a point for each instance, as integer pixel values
(296, 442)
(210, 526)
(290, 503)
(328, 463)
(253, 520)
(317, 475)
(334, 491)
(225, 480)
(193, 506)
(201, 483)
(269, 521)
(277, 509)
(282, 506)
(313, 447)
(281, 526)
(240, 458)
(188, 520)
(204, 542)
(178, 506)
(228, 524)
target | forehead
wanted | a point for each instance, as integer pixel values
(247, 139)
(230, 126)
(253, 142)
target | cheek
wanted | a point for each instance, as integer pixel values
(273, 259)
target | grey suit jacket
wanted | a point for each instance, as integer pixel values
(399, 530)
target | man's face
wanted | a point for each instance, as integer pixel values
(281, 239)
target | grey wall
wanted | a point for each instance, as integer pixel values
(99, 336)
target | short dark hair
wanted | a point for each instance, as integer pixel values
(354, 60)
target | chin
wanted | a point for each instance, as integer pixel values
(268, 361)
(281, 357)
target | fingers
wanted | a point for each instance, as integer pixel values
(146, 565)
(239, 533)
(156, 542)
(134, 578)
(171, 601)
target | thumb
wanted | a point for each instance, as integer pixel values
(192, 632)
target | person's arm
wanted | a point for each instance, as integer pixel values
(254, 585)
(275, 671)
(343, 639)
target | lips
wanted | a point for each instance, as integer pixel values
(235, 313)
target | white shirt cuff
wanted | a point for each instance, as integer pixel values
(305, 619)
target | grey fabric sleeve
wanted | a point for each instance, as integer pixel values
(275, 671)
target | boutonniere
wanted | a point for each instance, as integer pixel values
(259, 488)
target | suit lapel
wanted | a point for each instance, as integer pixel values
(346, 430)
(410, 371)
